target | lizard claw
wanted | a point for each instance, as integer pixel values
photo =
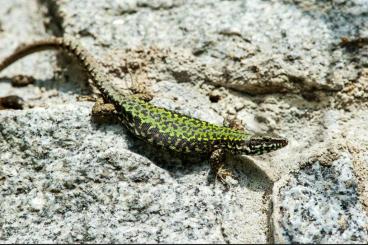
(222, 173)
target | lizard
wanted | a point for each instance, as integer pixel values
(157, 125)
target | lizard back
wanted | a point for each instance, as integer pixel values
(176, 131)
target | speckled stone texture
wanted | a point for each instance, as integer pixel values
(319, 204)
(295, 68)
(64, 181)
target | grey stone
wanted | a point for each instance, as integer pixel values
(295, 68)
(62, 180)
(320, 204)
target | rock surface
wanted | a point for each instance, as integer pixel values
(320, 204)
(64, 181)
(296, 68)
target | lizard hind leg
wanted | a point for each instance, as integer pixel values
(217, 160)
(104, 112)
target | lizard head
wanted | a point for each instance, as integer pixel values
(263, 143)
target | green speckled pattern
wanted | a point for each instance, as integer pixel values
(176, 131)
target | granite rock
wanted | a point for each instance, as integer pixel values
(295, 68)
(320, 204)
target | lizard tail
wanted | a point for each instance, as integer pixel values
(71, 46)
(27, 49)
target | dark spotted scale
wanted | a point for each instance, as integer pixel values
(175, 131)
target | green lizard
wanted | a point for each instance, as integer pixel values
(157, 125)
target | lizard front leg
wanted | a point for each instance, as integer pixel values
(217, 160)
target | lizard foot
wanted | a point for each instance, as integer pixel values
(222, 173)
(217, 159)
